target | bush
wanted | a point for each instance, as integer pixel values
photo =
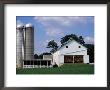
(55, 65)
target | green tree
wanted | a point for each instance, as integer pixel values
(40, 56)
(35, 56)
(81, 40)
(90, 52)
(66, 38)
(52, 44)
(46, 53)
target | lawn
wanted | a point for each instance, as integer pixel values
(64, 69)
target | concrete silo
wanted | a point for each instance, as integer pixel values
(19, 46)
(29, 42)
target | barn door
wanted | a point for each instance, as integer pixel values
(68, 59)
(78, 59)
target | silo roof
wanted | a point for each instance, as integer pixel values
(29, 25)
(20, 26)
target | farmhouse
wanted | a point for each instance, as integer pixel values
(71, 52)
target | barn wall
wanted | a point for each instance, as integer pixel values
(75, 53)
(56, 58)
(86, 58)
(61, 59)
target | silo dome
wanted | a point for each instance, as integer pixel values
(29, 25)
(20, 26)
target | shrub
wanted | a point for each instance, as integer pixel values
(54, 66)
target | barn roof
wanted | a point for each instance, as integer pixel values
(68, 42)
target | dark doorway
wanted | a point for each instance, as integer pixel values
(68, 58)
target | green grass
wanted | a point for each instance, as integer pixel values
(64, 69)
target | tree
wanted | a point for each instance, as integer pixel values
(35, 56)
(90, 52)
(52, 44)
(66, 38)
(46, 53)
(40, 56)
(81, 40)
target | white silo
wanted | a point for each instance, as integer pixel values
(23, 34)
(29, 43)
(19, 46)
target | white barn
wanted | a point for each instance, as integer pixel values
(71, 52)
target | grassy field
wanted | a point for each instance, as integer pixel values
(64, 69)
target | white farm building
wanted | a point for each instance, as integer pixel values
(72, 52)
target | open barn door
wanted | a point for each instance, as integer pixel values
(68, 58)
(78, 59)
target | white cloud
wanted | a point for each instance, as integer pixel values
(62, 20)
(54, 25)
(89, 40)
(54, 31)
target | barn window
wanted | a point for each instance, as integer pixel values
(66, 46)
(79, 46)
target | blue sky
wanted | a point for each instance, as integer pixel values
(48, 28)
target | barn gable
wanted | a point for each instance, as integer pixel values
(72, 47)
